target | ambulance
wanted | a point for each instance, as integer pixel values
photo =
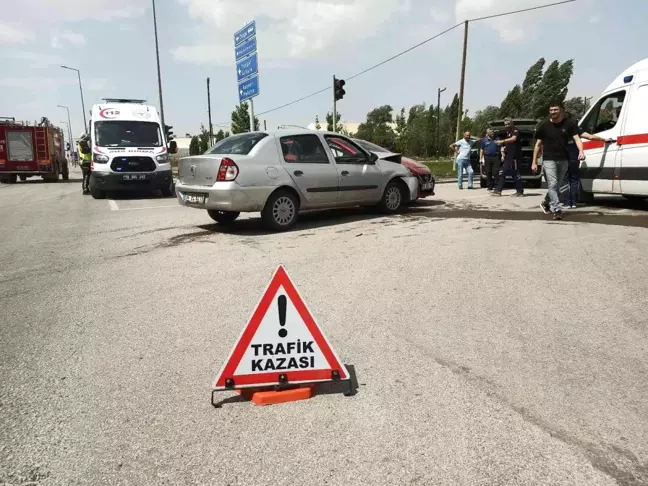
(620, 114)
(129, 149)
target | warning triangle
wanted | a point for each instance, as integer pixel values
(281, 344)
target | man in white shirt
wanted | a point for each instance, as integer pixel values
(462, 151)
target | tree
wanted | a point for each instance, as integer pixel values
(451, 112)
(401, 131)
(483, 118)
(317, 123)
(575, 106)
(220, 135)
(241, 119)
(205, 143)
(530, 86)
(553, 87)
(513, 105)
(376, 129)
(329, 123)
(194, 146)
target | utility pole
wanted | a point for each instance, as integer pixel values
(463, 79)
(438, 140)
(211, 127)
(157, 56)
(334, 106)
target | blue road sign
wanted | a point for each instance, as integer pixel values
(245, 49)
(245, 33)
(248, 88)
(247, 67)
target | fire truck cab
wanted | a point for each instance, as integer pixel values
(31, 150)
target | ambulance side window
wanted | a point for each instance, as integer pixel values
(605, 114)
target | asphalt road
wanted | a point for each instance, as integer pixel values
(491, 344)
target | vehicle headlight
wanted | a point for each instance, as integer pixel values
(162, 158)
(100, 158)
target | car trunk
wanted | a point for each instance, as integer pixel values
(199, 170)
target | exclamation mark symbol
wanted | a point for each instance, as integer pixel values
(281, 302)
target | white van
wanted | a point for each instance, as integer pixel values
(620, 113)
(129, 149)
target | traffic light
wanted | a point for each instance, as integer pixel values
(169, 133)
(338, 88)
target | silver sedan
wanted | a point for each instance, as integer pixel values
(282, 173)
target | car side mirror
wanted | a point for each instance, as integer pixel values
(372, 158)
(173, 147)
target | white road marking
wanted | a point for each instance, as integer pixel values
(113, 205)
(150, 207)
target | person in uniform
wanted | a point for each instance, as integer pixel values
(85, 155)
(512, 159)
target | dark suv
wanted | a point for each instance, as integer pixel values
(527, 128)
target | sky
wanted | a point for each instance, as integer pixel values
(301, 45)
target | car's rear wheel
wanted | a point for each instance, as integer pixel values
(394, 198)
(223, 217)
(280, 211)
(23, 178)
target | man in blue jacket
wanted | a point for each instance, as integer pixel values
(489, 155)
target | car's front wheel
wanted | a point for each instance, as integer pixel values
(223, 217)
(393, 199)
(280, 211)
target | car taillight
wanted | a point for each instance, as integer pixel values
(227, 171)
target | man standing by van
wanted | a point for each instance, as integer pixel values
(553, 136)
(572, 179)
(85, 154)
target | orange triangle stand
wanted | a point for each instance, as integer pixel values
(272, 397)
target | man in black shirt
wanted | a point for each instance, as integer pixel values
(512, 159)
(553, 137)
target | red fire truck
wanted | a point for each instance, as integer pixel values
(31, 150)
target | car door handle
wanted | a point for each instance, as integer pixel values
(298, 173)
(345, 172)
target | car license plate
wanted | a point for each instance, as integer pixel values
(195, 198)
(134, 177)
(426, 186)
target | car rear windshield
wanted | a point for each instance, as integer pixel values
(237, 144)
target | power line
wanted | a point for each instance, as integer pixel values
(513, 12)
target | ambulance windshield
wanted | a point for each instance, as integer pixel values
(123, 133)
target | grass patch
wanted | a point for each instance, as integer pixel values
(440, 168)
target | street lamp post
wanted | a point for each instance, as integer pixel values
(85, 121)
(68, 123)
(157, 56)
(439, 91)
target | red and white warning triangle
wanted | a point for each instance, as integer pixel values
(281, 344)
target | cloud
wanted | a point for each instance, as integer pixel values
(511, 28)
(594, 19)
(286, 28)
(12, 34)
(33, 59)
(70, 37)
